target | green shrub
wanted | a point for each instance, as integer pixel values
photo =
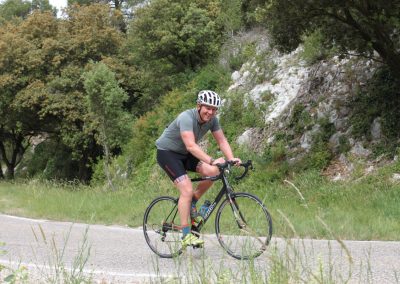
(275, 152)
(211, 77)
(243, 54)
(314, 48)
(380, 98)
(240, 113)
(51, 159)
(319, 157)
(344, 145)
(300, 119)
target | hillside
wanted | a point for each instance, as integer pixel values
(326, 111)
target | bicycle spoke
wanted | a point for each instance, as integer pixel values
(160, 231)
(244, 228)
(253, 234)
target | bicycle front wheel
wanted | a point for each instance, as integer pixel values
(160, 227)
(243, 227)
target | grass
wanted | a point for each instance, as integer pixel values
(306, 205)
(362, 209)
(71, 203)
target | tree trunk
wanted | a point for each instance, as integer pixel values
(380, 39)
(16, 155)
(10, 171)
(107, 159)
(83, 171)
(1, 171)
(389, 56)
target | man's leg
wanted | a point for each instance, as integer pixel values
(204, 170)
(184, 184)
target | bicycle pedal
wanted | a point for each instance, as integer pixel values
(198, 246)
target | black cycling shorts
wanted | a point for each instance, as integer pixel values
(176, 164)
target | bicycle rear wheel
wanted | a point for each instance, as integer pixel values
(243, 228)
(160, 227)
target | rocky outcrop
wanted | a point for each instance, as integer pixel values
(321, 93)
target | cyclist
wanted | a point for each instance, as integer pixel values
(178, 152)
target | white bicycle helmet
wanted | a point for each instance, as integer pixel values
(209, 98)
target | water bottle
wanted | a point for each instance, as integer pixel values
(204, 208)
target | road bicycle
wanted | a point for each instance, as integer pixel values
(243, 224)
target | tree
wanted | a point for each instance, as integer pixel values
(88, 34)
(42, 59)
(182, 33)
(117, 4)
(107, 119)
(231, 15)
(120, 8)
(362, 26)
(169, 39)
(21, 9)
(43, 5)
(22, 70)
(14, 8)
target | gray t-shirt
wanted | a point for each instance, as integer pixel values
(188, 120)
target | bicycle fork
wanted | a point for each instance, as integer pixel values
(242, 223)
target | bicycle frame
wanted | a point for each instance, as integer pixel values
(225, 190)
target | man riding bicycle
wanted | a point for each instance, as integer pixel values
(178, 152)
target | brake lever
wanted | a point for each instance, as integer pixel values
(246, 166)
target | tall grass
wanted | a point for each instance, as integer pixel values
(365, 208)
(306, 205)
(287, 260)
(55, 268)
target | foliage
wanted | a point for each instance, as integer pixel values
(18, 275)
(105, 114)
(300, 119)
(105, 101)
(320, 154)
(51, 159)
(231, 15)
(379, 99)
(362, 26)
(314, 48)
(244, 53)
(240, 113)
(167, 47)
(249, 12)
(14, 8)
(210, 77)
(43, 5)
(23, 68)
(41, 62)
(184, 34)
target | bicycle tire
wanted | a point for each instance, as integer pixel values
(160, 228)
(251, 240)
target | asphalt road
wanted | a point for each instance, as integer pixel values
(113, 254)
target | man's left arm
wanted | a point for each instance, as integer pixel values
(224, 145)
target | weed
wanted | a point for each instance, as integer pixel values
(59, 272)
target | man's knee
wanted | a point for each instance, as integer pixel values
(207, 170)
(184, 184)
